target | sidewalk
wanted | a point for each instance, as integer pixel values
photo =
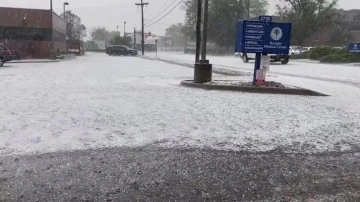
(33, 61)
(59, 58)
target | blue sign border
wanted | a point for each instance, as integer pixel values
(259, 37)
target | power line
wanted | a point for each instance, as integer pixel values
(162, 24)
(163, 4)
(149, 21)
(166, 14)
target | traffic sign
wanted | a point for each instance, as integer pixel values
(263, 37)
(354, 48)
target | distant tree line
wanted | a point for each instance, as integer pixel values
(110, 37)
(222, 18)
(307, 16)
(311, 16)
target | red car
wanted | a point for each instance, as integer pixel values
(6, 55)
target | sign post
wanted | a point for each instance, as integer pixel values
(260, 73)
(262, 38)
(257, 66)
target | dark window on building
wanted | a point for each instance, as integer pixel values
(24, 33)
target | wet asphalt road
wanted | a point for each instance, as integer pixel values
(156, 174)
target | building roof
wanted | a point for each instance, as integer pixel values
(23, 17)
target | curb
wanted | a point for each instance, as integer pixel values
(25, 61)
(216, 70)
(265, 90)
(68, 57)
(35, 61)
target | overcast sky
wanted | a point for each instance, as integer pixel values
(113, 13)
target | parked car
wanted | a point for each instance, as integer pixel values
(120, 50)
(295, 50)
(5, 55)
(284, 59)
(306, 49)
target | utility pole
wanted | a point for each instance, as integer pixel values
(203, 69)
(248, 8)
(134, 39)
(204, 29)
(142, 4)
(198, 32)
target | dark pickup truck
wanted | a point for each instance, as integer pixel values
(120, 50)
(6, 55)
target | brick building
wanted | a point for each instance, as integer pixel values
(33, 33)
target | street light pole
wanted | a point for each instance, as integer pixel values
(124, 28)
(52, 56)
(65, 4)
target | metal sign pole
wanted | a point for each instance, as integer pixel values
(256, 66)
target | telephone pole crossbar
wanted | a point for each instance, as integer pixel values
(142, 4)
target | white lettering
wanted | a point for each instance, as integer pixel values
(253, 37)
(255, 26)
(251, 43)
(276, 43)
(251, 31)
(253, 48)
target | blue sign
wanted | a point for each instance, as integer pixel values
(354, 48)
(265, 18)
(263, 37)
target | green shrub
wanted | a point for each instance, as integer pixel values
(341, 58)
(329, 55)
(335, 58)
(305, 55)
(321, 52)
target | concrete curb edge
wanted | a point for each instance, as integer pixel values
(216, 70)
(286, 91)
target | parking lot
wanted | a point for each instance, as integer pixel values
(120, 118)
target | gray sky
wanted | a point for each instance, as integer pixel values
(112, 13)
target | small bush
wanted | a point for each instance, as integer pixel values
(341, 58)
(335, 58)
(321, 52)
(305, 55)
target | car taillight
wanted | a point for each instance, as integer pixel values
(8, 52)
